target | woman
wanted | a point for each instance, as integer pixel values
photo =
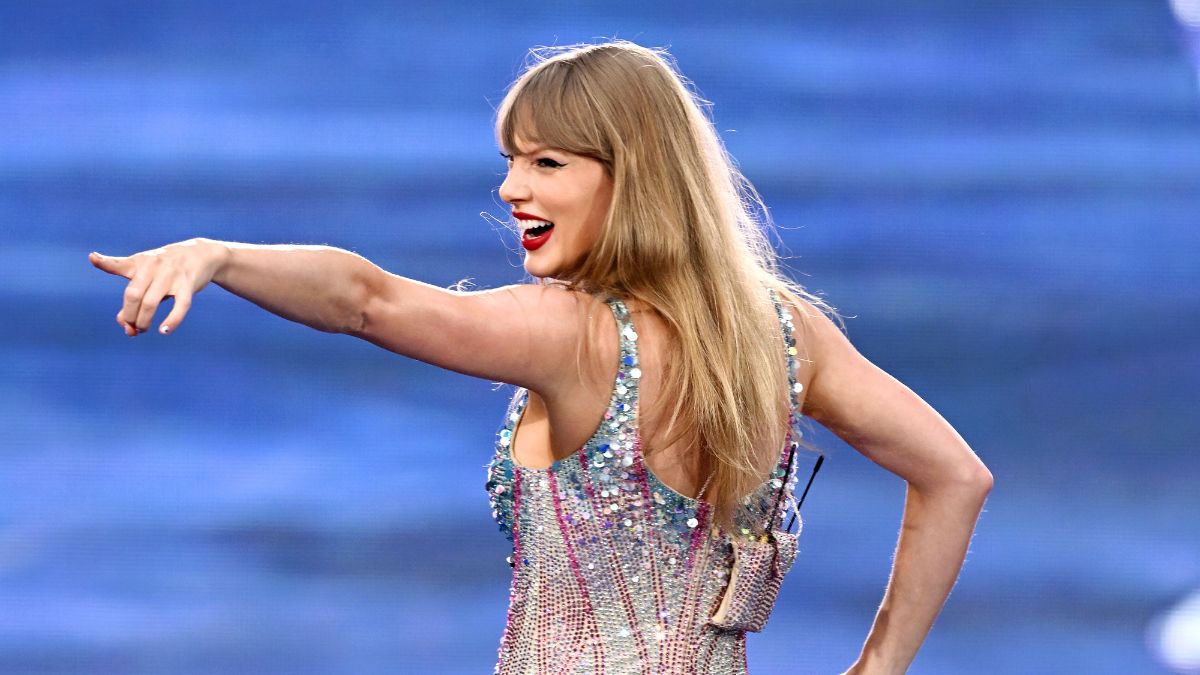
(661, 361)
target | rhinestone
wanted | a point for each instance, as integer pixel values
(623, 526)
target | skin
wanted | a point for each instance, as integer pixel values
(875, 413)
(572, 191)
(528, 335)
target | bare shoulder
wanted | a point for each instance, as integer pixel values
(815, 335)
(877, 414)
(837, 369)
(522, 334)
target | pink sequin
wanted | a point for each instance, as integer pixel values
(613, 571)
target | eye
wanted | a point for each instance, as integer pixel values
(548, 163)
(508, 158)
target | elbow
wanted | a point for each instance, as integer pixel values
(985, 479)
(363, 298)
(970, 480)
(356, 325)
(974, 479)
(358, 318)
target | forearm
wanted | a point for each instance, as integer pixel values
(319, 286)
(934, 537)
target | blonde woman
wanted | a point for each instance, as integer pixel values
(661, 361)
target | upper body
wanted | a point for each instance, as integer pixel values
(558, 419)
(620, 187)
(614, 570)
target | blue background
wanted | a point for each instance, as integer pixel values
(1005, 195)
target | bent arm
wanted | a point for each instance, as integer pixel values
(947, 487)
(319, 286)
(934, 535)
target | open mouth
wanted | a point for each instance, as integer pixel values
(533, 238)
(535, 232)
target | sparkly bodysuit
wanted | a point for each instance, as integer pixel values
(614, 571)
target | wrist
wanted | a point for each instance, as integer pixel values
(218, 255)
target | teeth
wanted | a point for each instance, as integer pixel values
(527, 225)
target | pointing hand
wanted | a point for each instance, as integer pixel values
(177, 270)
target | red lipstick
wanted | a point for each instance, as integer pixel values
(533, 242)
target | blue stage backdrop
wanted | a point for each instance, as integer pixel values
(1004, 195)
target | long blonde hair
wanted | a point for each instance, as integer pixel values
(685, 235)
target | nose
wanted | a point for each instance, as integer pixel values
(514, 189)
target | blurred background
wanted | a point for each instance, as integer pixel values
(1004, 195)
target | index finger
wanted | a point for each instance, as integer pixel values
(119, 266)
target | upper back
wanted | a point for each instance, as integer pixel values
(556, 422)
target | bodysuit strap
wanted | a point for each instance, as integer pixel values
(629, 371)
(788, 328)
(786, 465)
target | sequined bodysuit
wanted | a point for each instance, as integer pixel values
(614, 571)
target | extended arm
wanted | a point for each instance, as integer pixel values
(319, 286)
(947, 487)
(518, 334)
(523, 334)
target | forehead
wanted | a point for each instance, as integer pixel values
(523, 146)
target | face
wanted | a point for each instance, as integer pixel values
(559, 200)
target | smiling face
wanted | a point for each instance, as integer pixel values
(560, 201)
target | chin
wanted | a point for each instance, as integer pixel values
(539, 271)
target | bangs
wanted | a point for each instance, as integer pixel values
(548, 106)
